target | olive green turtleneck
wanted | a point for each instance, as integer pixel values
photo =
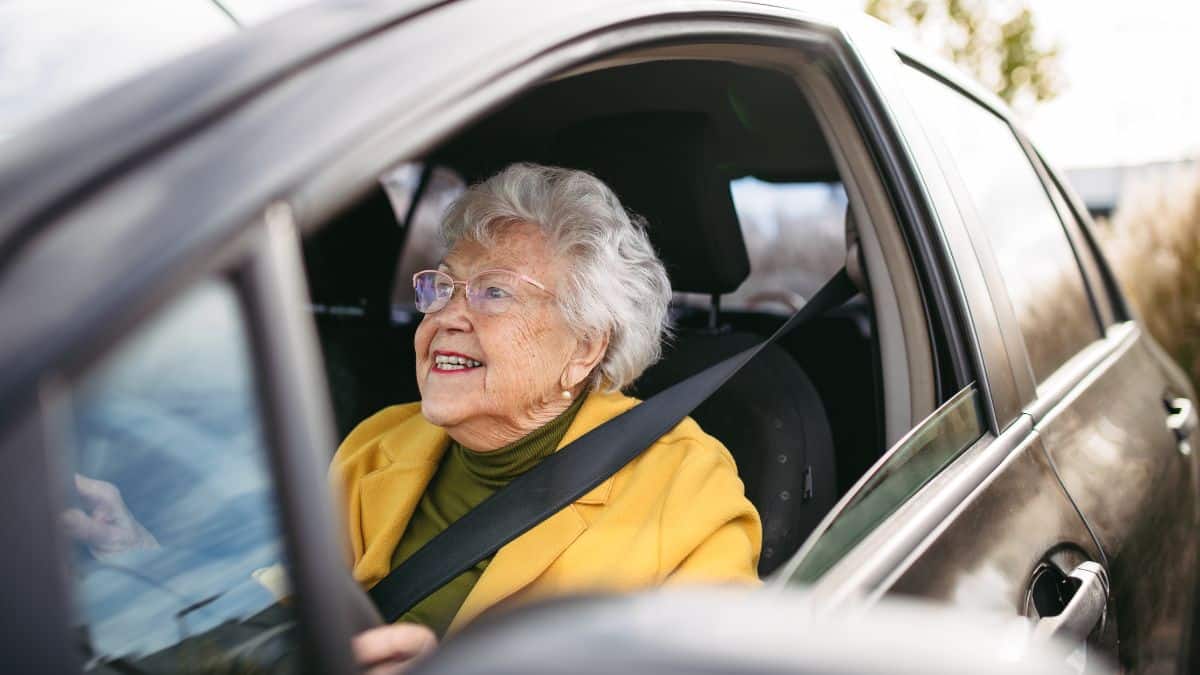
(463, 480)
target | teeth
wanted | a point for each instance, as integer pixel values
(446, 362)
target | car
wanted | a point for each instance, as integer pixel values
(203, 279)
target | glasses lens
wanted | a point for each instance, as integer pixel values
(432, 290)
(494, 292)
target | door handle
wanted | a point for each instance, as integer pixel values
(1182, 421)
(1083, 612)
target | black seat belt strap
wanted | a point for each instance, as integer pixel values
(572, 472)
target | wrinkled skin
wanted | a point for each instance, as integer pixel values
(530, 354)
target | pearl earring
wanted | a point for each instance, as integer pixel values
(566, 394)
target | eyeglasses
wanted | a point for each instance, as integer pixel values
(489, 292)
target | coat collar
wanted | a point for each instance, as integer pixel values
(521, 561)
(596, 410)
(415, 443)
(390, 496)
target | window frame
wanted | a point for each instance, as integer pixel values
(1110, 301)
(323, 195)
(320, 193)
(966, 403)
(262, 267)
(881, 153)
(29, 570)
(1092, 284)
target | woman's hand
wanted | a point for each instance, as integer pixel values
(104, 523)
(393, 648)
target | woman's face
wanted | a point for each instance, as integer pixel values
(524, 352)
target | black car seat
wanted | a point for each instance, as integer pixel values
(839, 354)
(769, 416)
(350, 265)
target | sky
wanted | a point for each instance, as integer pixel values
(1133, 82)
(1132, 91)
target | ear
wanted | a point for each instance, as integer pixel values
(588, 354)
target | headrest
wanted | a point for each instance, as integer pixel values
(351, 261)
(854, 263)
(662, 165)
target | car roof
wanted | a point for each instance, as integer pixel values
(74, 147)
(45, 165)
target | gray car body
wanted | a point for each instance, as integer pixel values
(264, 136)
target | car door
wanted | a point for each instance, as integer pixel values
(112, 214)
(967, 508)
(1118, 424)
(1112, 416)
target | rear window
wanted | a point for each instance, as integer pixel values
(1014, 211)
(795, 234)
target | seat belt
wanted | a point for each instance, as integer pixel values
(572, 472)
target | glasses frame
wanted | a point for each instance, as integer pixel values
(466, 284)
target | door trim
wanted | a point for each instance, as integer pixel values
(884, 553)
(1082, 369)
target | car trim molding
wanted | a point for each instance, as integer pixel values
(869, 568)
(1081, 370)
(300, 432)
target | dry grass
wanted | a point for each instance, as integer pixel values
(1153, 244)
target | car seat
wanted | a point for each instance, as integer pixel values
(350, 265)
(769, 416)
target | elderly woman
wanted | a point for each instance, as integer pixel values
(563, 305)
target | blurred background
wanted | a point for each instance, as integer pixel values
(1107, 89)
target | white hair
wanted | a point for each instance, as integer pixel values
(615, 284)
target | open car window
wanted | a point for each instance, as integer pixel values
(743, 200)
(171, 516)
(795, 236)
(907, 467)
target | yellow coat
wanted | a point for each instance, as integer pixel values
(677, 513)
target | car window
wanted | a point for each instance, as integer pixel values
(907, 467)
(1034, 256)
(423, 245)
(795, 237)
(794, 232)
(171, 516)
(1106, 295)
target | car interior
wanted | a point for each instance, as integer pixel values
(749, 205)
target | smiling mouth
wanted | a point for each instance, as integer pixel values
(451, 363)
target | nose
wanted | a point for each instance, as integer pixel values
(455, 315)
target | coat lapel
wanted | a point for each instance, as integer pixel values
(521, 561)
(524, 559)
(389, 495)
